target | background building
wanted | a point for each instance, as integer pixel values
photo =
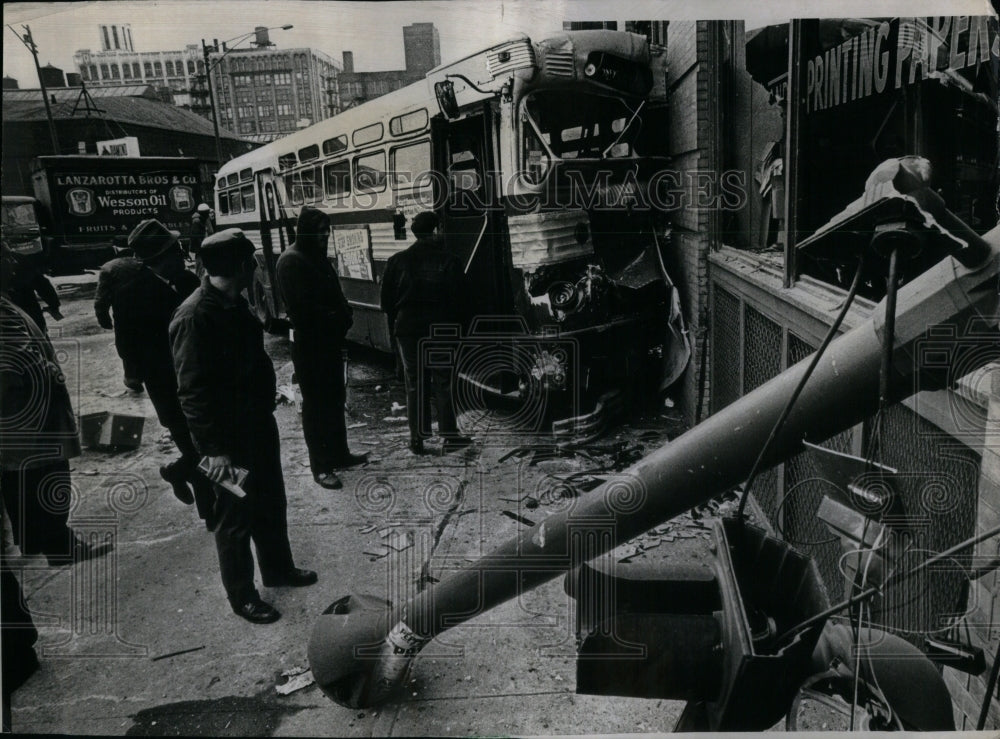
(264, 93)
(422, 50)
(175, 74)
(109, 113)
(422, 47)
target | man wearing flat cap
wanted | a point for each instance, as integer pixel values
(226, 386)
(142, 292)
(422, 286)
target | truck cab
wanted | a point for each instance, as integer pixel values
(22, 233)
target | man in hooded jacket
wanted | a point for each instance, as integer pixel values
(422, 286)
(320, 316)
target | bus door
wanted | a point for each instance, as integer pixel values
(470, 219)
(274, 239)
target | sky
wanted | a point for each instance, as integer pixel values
(373, 30)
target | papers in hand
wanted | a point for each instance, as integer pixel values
(233, 482)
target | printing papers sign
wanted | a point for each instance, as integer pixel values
(353, 251)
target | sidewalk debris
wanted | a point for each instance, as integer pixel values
(377, 551)
(397, 540)
(368, 529)
(519, 519)
(111, 431)
(356, 426)
(285, 394)
(174, 654)
(298, 678)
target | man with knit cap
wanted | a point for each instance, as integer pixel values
(143, 291)
(226, 386)
(422, 286)
(320, 316)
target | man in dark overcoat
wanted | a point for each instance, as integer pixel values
(142, 292)
(226, 386)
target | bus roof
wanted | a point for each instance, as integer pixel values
(497, 61)
(406, 99)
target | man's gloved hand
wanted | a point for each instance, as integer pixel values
(54, 312)
(219, 468)
(104, 320)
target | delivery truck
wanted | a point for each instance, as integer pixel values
(89, 204)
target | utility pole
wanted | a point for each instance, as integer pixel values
(225, 52)
(211, 100)
(28, 41)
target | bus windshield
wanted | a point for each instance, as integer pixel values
(576, 125)
(19, 215)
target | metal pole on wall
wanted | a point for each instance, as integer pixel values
(28, 41)
(211, 100)
(792, 153)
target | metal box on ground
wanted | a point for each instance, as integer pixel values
(107, 430)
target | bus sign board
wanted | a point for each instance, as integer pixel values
(352, 249)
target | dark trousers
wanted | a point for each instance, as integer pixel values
(162, 390)
(420, 381)
(258, 517)
(18, 636)
(320, 372)
(37, 501)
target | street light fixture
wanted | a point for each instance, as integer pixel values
(208, 75)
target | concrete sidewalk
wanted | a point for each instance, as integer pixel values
(107, 627)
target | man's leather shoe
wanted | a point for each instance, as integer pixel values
(173, 474)
(293, 578)
(328, 480)
(257, 611)
(351, 460)
(80, 551)
(454, 443)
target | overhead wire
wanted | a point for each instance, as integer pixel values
(834, 328)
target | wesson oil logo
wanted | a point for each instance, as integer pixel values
(81, 201)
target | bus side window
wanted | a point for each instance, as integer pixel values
(234, 202)
(249, 201)
(310, 193)
(337, 178)
(409, 163)
(224, 203)
(293, 188)
(369, 172)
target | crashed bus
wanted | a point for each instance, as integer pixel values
(541, 160)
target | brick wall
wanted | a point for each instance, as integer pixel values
(692, 82)
(983, 617)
